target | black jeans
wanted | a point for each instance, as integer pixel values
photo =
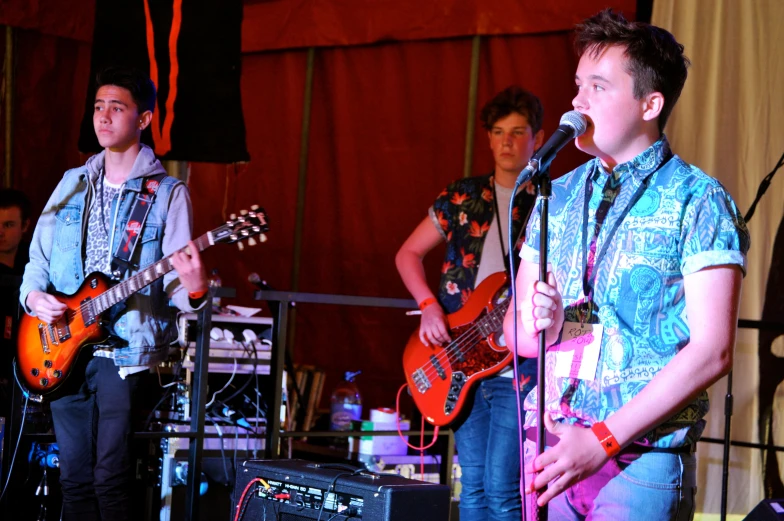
(93, 430)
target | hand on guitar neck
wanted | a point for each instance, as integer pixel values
(190, 270)
(46, 307)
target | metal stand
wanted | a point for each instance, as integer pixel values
(285, 300)
(543, 187)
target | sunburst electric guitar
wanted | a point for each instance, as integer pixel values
(46, 353)
(440, 377)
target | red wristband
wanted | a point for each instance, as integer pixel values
(196, 295)
(606, 438)
(428, 301)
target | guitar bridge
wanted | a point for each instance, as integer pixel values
(458, 380)
(421, 381)
(43, 337)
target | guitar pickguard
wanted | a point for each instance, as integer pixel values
(481, 355)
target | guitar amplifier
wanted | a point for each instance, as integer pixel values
(297, 490)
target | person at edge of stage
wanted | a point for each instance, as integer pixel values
(14, 222)
(77, 234)
(471, 216)
(640, 309)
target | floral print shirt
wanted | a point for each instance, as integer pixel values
(463, 213)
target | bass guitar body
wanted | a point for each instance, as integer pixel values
(440, 377)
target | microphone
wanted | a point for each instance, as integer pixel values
(572, 124)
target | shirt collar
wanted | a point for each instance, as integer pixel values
(643, 164)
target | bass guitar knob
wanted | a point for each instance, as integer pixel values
(58, 373)
(34, 371)
(44, 382)
(47, 363)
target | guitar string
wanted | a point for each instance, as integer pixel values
(84, 306)
(460, 346)
(463, 343)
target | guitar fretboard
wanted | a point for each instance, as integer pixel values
(142, 279)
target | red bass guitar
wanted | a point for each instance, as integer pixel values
(46, 353)
(440, 377)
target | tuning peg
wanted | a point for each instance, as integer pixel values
(240, 246)
(256, 229)
(254, 207)
(233, 237)
(251, 242)
(263, 237)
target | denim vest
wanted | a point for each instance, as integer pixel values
(145, 324)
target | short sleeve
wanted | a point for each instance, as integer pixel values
(713, 232)
(443, 211)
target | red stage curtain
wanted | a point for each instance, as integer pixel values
(387, 134)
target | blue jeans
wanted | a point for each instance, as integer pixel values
(654, 486)
(93, 430)
(489, 453)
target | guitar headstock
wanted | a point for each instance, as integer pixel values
(247, 225)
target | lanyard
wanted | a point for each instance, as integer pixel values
(500, 229)
(601, 213)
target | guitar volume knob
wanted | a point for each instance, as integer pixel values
(47, 363)
(44, 382)
(34, 371)
(58, 373)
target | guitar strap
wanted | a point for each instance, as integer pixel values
(121, 260)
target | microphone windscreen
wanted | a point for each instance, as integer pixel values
(575, 120)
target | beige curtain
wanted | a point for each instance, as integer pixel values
(729, 123)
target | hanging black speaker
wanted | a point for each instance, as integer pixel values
(297, 490)
(767, 510)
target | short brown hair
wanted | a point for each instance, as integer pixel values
(513, 99)
(655, 60)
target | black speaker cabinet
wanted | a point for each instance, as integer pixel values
(767, 510)
(297, 490)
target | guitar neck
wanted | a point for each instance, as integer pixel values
(494, 320)
(143, 278)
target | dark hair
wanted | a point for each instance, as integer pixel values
(655, 60)
(140, 86)
(10, 198)
(513, 99)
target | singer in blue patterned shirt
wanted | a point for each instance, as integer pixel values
(640, 310)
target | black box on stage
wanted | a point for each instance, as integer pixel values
(297, 490)
(767, 510)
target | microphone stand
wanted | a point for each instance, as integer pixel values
(728, 398)
(543, 190)
(540, 179)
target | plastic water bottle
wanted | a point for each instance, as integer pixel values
(215, 282)
(346, 404)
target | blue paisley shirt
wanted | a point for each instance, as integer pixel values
(682, 222)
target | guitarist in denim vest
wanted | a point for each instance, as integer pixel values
(77, 234)
(471, 216)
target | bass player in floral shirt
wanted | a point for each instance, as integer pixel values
(471, 216)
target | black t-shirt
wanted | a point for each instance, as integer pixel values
(10, 310)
